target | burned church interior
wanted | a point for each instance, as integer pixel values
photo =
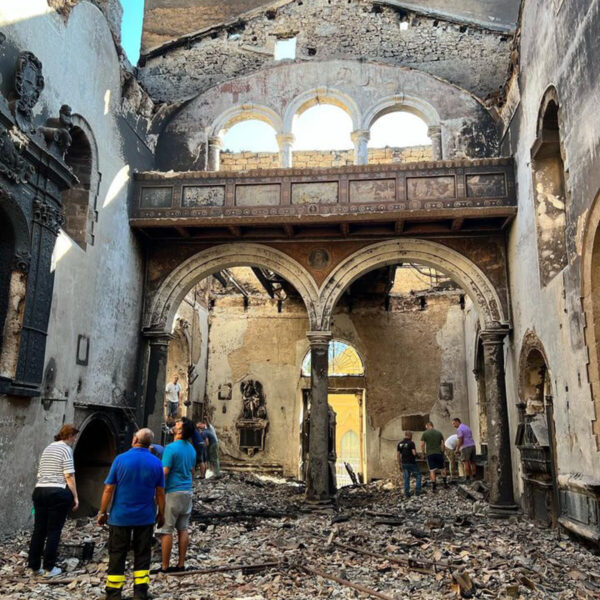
(185, 219)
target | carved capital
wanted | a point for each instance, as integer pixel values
(22, 261)
(12, 165)
(318, 338)
(493, 337)
(48, 216)
(360, 135)
(29, 83)
(285, 139)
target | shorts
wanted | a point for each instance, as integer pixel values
(201, 455)
(435, 461)
(468, 453)
(178, 508)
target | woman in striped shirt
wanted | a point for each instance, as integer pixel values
(54, 494)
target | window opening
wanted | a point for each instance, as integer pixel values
(344, 361)
(285, 49)
(402, 135)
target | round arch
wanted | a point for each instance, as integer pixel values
(550, 96)
(245, 112)
(316, 96)
(357, 361)
(176, 285)
(410, 104)
(432, 254)
(94, 452)
(532, 356)
(20, 229)
(590, 291)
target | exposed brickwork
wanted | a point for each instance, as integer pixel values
(470, 57)
(245, 161)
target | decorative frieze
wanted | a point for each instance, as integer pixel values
(48, 215)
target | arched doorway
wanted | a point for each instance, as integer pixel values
(536, 434)
(493, 320)
(94, 453)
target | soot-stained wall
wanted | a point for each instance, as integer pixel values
(471, 57)
(408, 352)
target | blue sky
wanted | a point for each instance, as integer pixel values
(131, 28)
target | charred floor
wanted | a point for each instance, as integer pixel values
(253, 538)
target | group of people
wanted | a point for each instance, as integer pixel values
(436, 450)
(146, 486)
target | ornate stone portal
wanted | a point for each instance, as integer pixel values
(253, 421)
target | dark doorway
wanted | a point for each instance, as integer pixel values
(95, 451)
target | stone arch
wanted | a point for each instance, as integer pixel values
(590, 291)
(455, 265)
(80, 201)
(532, 356)
(322, 95)
(166, 300)
(245, 112)
(411, 104)
(94, 451)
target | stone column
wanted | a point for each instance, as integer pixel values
(502, 502)
(215, 145)
(286, 143)
(360, 138)
(435, 133)
(317, 490)
(156, 381)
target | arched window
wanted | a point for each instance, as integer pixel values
(249, 136)
(344, 361)
(322, 137)
(399, 136)
(549, 191)
(79, 202)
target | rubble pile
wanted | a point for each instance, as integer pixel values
(253, 538)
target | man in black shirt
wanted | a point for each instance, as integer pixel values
(407, 459)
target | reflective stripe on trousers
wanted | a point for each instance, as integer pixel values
(141, 577)
(115, 581)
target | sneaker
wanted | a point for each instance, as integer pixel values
(54, 572)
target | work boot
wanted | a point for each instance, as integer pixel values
(434, 486)
(446, 482)
(140, 592)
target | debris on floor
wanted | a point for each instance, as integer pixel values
(253, 538)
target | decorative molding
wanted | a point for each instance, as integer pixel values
(47, 215)
(12, 165)
(29, 83)
(164, 302)
(469, 276)
(21, 261)
(56, 131)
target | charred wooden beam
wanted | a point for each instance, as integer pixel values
(264, 281)
(235, 230)
(183, 232)
(457, 223)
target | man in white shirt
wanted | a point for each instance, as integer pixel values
(450, 445)
(172, 392)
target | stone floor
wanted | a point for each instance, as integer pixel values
(439, 545)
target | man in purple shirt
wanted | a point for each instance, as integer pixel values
(466, 447)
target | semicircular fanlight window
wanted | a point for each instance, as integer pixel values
(344, 361)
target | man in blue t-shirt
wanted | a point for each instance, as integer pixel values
(179, 460)
(133, 484)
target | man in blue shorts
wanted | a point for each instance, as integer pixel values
(432, 445)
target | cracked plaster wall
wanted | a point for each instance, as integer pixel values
(407, 352)
(468, 129)
(473, 58)
(559, 46)
(97, 292)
